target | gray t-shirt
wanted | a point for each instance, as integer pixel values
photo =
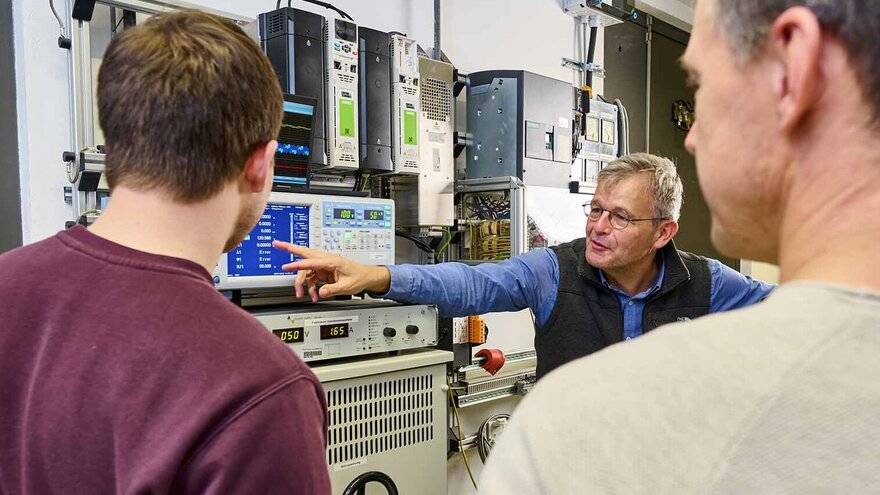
(781, 397)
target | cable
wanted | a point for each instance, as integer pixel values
(460, 434)
(60, 22)
(320, 4)
(484, 442)
(624, 128)
(445, 244)
(418, 242)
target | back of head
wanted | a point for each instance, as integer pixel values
(855, 22)
(662, 179)
(183, 100)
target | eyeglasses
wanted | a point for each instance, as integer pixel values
(618, 218)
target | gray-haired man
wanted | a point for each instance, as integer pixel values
(624, 278)
(781, 397)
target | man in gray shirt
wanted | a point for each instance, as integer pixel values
(780, 397)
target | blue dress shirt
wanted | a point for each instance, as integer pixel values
(531, 280)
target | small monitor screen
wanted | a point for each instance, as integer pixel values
(294, 143)
(255, 256)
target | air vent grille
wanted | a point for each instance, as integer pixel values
(436, 99)
(379, 417)
(275, 22)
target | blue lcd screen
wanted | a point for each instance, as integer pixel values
(255, 256)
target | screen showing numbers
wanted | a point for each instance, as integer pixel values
(334, 331)
(289, 335)
(255, 256)
(374, 215)
(343, 213)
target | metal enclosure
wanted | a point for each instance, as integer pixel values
(293, 41)
(519, 125)
(365, 327)
(375, 98)
(388, 414)
(427, 199)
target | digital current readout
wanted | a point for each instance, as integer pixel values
(289, 335)
(374, 215)
(334, 331)
(343, 213)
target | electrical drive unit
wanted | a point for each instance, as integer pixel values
(405, 104)
(376, 154)
(427, 199)
(387, 423)
(341, 329)
(341, 37)
(520, 125)
(293, 41)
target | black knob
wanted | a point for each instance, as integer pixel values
(412, 329)
(389, 332)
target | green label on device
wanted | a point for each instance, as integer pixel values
(410, 127)
(346, 117)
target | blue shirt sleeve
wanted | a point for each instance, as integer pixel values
(731, 289)
(526, 281)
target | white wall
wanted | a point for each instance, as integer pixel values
(476, 34)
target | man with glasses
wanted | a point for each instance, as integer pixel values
(623, 279)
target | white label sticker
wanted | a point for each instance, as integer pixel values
(350, 464)
(324, 320)
(563, 122)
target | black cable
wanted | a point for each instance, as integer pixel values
(418, 242)
(331, 7)
(591, 53)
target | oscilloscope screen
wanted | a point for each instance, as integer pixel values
(294, 144)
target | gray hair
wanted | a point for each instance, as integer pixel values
(856, 23)
(663, 180)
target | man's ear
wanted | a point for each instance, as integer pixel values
(665, 233)
(795, 43)
(259, 167)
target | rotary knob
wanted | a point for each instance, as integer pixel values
(412, 329)
(389, 332)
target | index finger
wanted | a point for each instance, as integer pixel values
(297, 250)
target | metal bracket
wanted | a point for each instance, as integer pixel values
(572, 64)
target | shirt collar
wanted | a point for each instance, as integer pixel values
(641, 295)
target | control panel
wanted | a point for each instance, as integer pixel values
(361, 229)
(358, 230)
(342, 96)
(339, 329)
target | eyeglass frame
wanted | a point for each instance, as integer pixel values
(611, 214)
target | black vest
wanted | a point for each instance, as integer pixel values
(587, 315)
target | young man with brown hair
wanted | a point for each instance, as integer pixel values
(122, 369)
(781, 397)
